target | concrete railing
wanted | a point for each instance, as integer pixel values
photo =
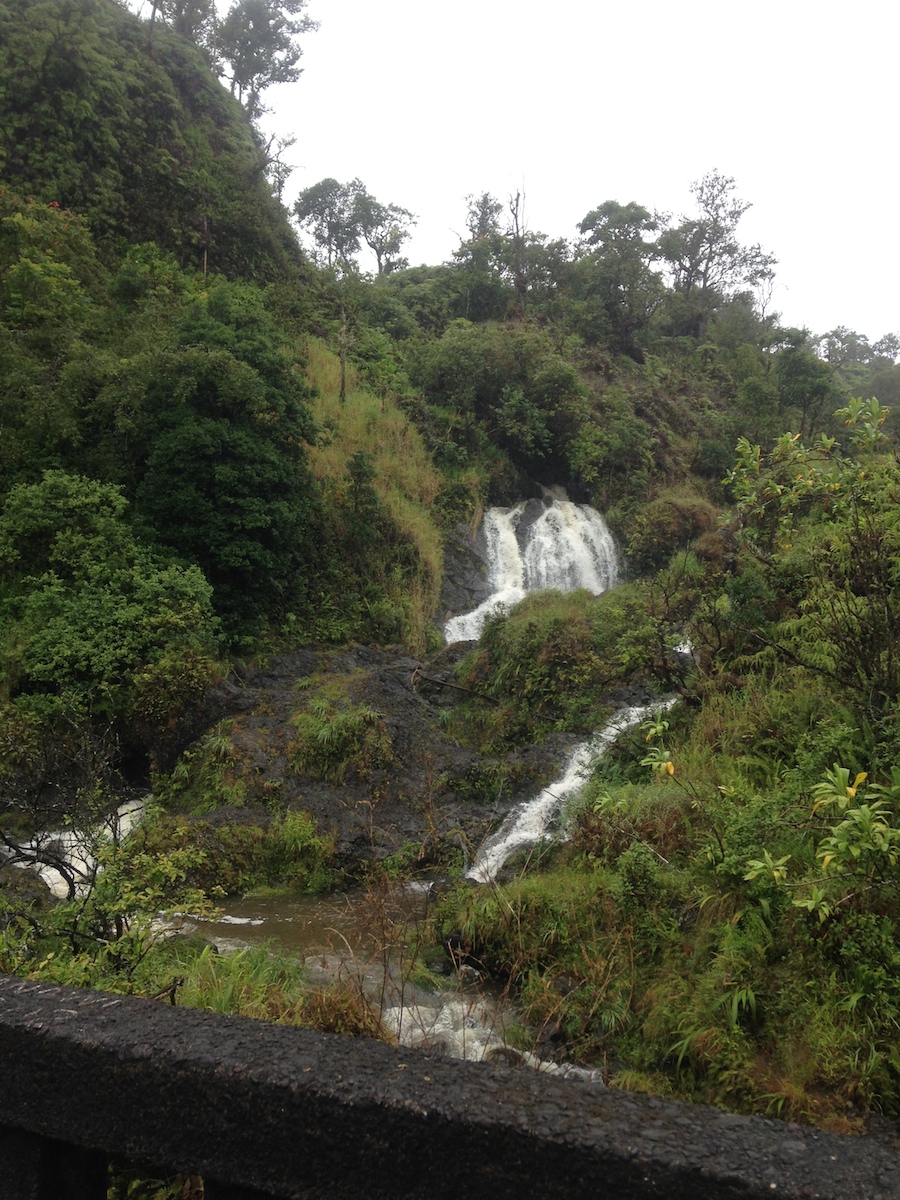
(262, 1110)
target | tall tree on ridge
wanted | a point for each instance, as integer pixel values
(258, 41)
(706, 260)
(338, 216)
(327, 210)
(618, 269)
(384, 228)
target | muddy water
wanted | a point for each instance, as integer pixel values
(358, 938)
(296, 924)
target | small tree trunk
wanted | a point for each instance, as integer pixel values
(343, 353)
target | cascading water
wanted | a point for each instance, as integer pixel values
(549, 543)
(538, 544)
(529, 823)
(76, 851)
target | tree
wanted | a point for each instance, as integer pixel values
(193, 19)
(226, 483)
(272, 150)
(327, 210)
(339, 216)
(146, 146)
(706, 260)
(258, 41)
(806, 384)
(518, 238)
(102, 639)
(617, 269)
(887, 347)
(546, 271)
(498, 269)
(384, 228)
(482, 217)
(481, 262)
(861, 367)
(505, 382)
(843, 347)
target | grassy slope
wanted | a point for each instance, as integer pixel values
(405, 480)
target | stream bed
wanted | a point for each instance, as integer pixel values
(362, 938)
(357, 938)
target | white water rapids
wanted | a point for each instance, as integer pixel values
(76, 850)
(530, 822)
(540, 544)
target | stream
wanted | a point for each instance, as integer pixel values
(534, 820)
(360, 937)
(549, 543)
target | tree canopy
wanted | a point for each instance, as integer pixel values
(258, 41)
(146, 146)
(340, 216)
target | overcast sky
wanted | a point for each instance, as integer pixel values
(576, 103)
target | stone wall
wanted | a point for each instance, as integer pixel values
(260, 1109)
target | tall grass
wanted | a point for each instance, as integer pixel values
(406, 481)
(259, 983)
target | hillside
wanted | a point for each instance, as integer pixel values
(126, 125)
(233, 473)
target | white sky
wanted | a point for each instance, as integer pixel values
(585, 102)
(577, 102)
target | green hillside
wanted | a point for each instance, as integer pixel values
(219, 449)
(129, 128)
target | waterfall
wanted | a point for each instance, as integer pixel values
(538, 544)
(76, 849)
(528, 823)
(549, 543)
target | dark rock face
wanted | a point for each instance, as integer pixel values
(432, 791)
(466, 572)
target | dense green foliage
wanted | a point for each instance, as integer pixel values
(552, 662)
(132, 130)
(211, 444)
(93, 619)
(724, 923)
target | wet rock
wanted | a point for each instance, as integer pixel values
(459, 951)
(466, 572)
(629, 695)
(469, 974)
(429, 792)
(504, 1056)
(551, 1034)
(21, 889)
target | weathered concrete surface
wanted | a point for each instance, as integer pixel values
(296, 1114)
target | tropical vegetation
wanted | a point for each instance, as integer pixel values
(223, 440)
